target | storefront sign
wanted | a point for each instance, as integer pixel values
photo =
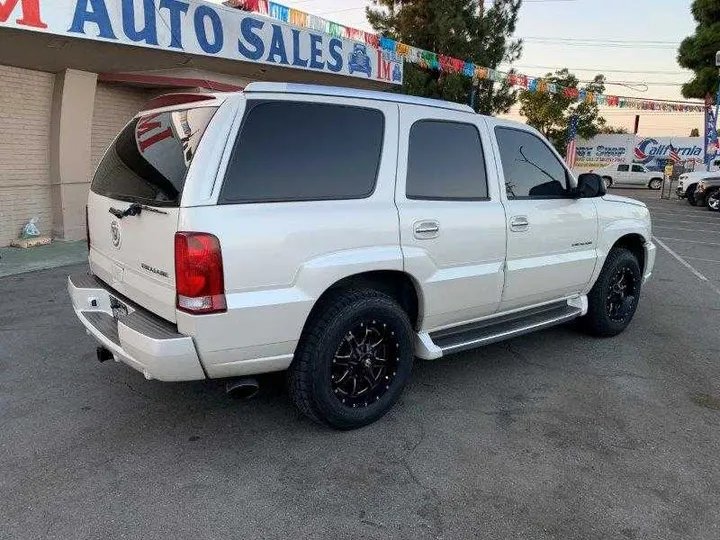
(653, 152)
(195, 27)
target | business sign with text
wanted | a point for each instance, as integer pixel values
(195, 27)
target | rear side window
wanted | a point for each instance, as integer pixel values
(445, 161)
(293, 151)
(150, 158)
(623, 168)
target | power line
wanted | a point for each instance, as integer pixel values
(604, 70)
(603, 40)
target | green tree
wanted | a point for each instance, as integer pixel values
(550, 113)
(464, 29)
(612, 130)
(698, 52)
(694, 132)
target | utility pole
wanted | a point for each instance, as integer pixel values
(711, 133)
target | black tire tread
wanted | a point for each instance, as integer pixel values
(302, 369)
(593, 321)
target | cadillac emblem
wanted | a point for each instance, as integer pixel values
(115, 234)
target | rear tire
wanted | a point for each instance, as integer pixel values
(608, 182)
(690, 194)
(614, 297)
(655, 184)
(354, 359)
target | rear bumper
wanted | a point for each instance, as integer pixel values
(141, 340)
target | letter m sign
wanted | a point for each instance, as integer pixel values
(30, 12)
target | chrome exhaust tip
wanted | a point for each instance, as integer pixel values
(243, 389)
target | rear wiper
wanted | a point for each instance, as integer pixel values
(134, 210)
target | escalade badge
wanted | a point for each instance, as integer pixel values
(115, 234)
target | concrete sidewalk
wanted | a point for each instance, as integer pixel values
(17, 261)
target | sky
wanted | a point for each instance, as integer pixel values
(623, 39)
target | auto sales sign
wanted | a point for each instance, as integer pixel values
(195, 27)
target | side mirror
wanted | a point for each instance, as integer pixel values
(590, 185)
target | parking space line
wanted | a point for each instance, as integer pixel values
(704, 260)
(688, 210)
(703, 215)
(688, 241)
(686, 221)
(681, 229)
(687, 265)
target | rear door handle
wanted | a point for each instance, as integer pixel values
(519, 223)
(426, 229)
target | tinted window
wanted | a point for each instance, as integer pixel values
(623, 168)
(637, 168)
(149, 160)
(291, 151)
(530, 167)
(445, 161)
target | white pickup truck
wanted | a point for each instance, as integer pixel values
(630, 174)
(338, 234)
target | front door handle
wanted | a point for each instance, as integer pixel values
(426, 229)
(519, 224)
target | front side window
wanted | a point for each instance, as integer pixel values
(623, 168)
(445, 162)
(532, 171)
(637, 168)
(295, 151)
(149, 160)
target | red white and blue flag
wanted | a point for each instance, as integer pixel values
(572, 142)
(674, 156)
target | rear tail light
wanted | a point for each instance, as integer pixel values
(87, 227)
(199, 273)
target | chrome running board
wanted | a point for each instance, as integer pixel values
(481, 333)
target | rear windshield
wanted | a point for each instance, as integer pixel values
(149, 160)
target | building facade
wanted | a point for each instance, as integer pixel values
(74, 72)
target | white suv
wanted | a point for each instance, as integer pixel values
(338, 234)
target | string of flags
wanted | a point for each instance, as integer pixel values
(439, 62)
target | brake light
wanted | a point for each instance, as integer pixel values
(199, 277)
(87, 227)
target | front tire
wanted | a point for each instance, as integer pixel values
(353, 361)
(614, 297)
(655, 183)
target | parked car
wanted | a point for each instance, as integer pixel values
(337, 234)
(687, 183)
(625, 174)
(707, 192)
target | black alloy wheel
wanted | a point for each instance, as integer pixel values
(622, 295)
(354, 359)
(614, 297)
(365, 364)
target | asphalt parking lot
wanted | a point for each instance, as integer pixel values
(552, 435)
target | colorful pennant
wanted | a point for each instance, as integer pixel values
(431, 60)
